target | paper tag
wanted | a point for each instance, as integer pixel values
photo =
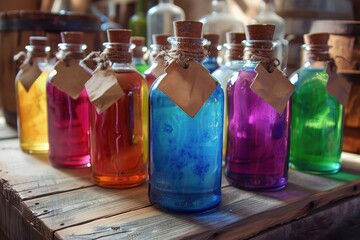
(103, 89)
(337, 86)
(189, 88)
(28, 74)
(159, 68)
(70, 78)
(274, 88)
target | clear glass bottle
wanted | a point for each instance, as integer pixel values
(267, 15)
(119, 135)
(258, 144)
(160, 18)
(138, 53)
(210, 61)
(220, 20)
(31, 102)
(68, 118)
(137, 22)
(232, 64)
(157, 62)
(317, 118)
(185, 152)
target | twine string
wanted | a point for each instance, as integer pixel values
(263, 55)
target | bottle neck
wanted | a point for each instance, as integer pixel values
(38, 51)
(234, 52)
(71, 51)
(140, 7)
(219, 6)
(267, 6)
(316, 55)
(118, 52)
(166, 1)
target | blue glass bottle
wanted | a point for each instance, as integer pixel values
(210, 61)
(185, 152)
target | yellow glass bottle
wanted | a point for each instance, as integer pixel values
(31, 97)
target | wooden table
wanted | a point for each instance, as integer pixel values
(38, 201)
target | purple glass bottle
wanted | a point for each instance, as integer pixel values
(68, 118)
(258, 144)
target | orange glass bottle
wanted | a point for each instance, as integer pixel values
(119, 135)
(30, 85)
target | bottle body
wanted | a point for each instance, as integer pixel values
(160, 18)
(316, 123)
(210, 63)
(68, 121)
(119, 135)
(32, 114)
(258, 144)
(223, 76)
(185, 153)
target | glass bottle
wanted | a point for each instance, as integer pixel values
(185, 152)
(317, 118)
(160, 18)
(267, 15)
(157, 61)
(210, 61)
(220, 20)
(138, 53)
(257, 149)
(31, 100)
(68, 118)
(232, 64)
(119, 135)
(137, 22)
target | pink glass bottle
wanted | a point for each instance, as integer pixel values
(258, 136)
(68, 118)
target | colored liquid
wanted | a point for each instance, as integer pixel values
(150, 78)
(185, 153)
(32, 116)
(119, 136)
(141, 67)
(257, 152)
(68, 122)
(223, 76)
(316, 124)
(210, 64)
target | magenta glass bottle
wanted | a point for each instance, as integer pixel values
(68, 118)
(258, 144)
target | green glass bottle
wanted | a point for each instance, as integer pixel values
(316, 116)
(137, 22)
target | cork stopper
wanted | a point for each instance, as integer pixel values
(161, 39)
(316, 38)
(72, 37)
(213, 38)
(138, 41)
(260, 32)
(192, 29)
(38, 41)
(235, 37)
(119, 35)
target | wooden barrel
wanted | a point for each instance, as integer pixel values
(15, 29)
(345, 42)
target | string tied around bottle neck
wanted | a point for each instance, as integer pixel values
(108, 56)
(263, 55)
(185, 50)
(67, 56)
(28, 57)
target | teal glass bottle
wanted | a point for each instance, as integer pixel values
(316, 116)
(185, 152)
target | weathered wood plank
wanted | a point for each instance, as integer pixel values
(242, 214)
(24, 176)
(58, 211)
(6, 132)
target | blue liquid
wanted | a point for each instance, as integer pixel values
(185, 153)
(210, 64)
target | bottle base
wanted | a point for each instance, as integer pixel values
(335, 168)
(35, 148)
(256, 182)
(70, 162)
(181, 203)
(119, 182)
